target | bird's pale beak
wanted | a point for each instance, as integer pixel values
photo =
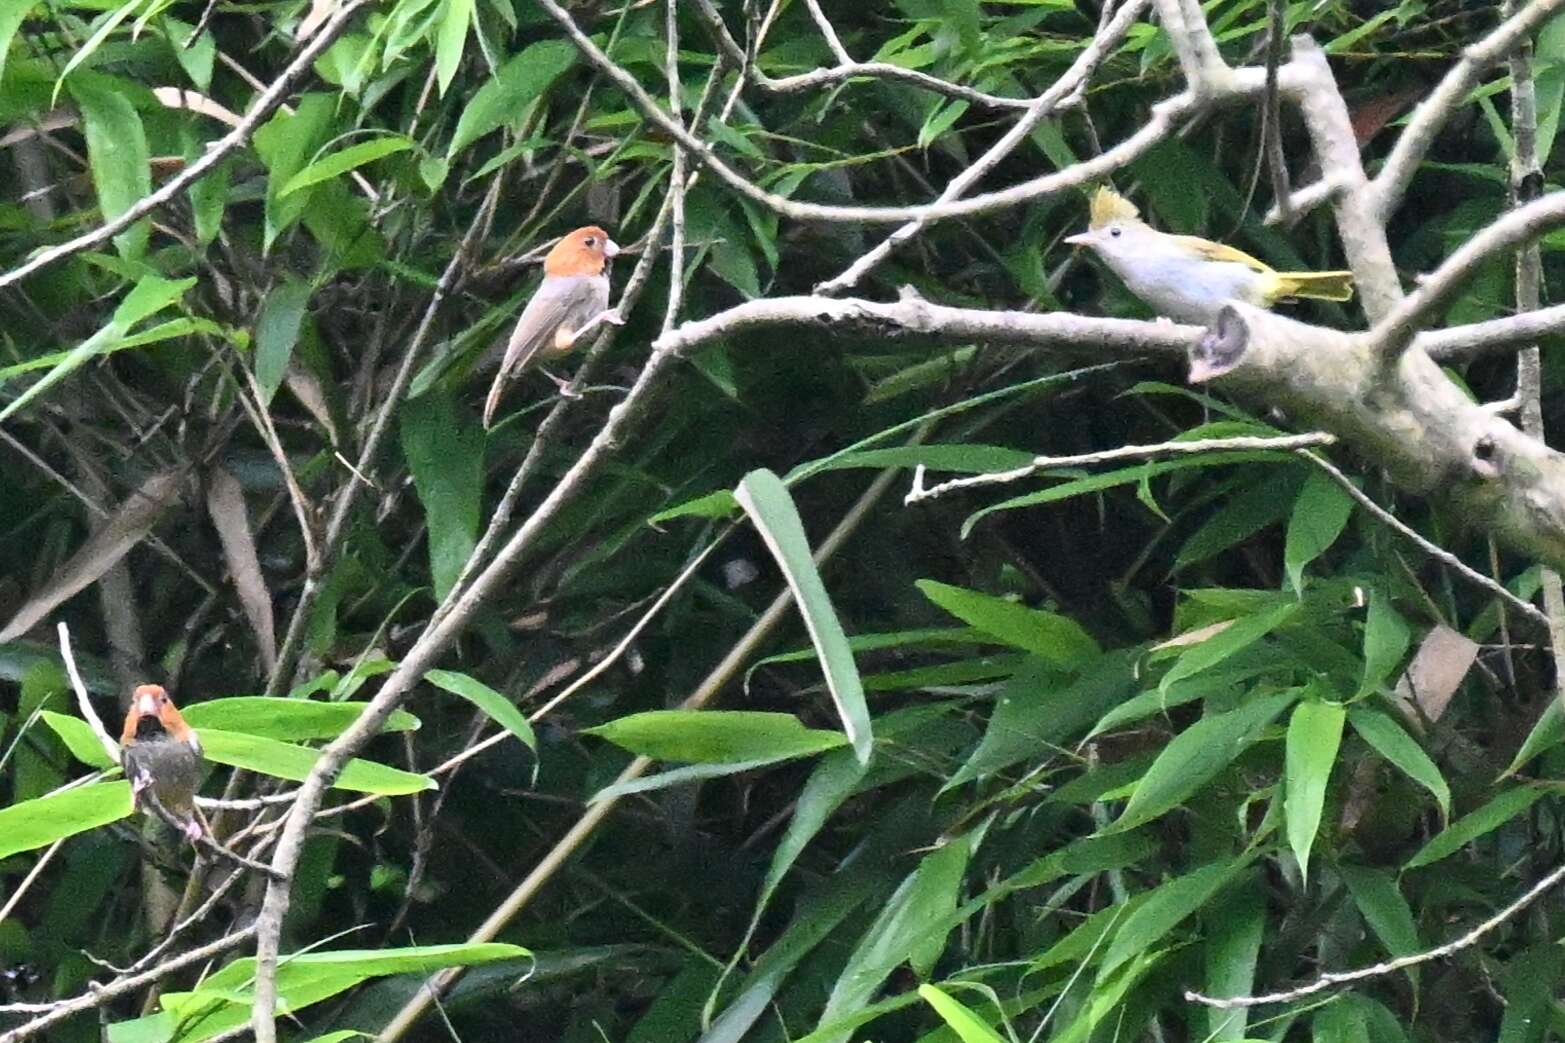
(610, 248)
(147, 704)
(1080, 239)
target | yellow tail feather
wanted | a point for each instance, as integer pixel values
(1321, 286)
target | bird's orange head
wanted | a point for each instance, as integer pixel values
(582, 252)
(151, 711)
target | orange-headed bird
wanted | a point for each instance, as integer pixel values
(160, 752)
(573, 297)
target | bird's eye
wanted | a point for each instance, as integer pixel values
(1115, 231)
(591, 240)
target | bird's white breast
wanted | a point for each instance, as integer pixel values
(1189, 289)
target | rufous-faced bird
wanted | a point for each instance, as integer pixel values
(161, 753)
(573, 298)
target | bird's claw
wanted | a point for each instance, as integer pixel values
(613, 317)
(562, 385)
(193, 830)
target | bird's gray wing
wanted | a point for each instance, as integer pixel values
(558, 300)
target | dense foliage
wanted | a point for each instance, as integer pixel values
(1195, 723)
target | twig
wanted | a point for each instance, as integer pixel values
(1045, 105)
(1526, 182)
(1165, 116)
(914, 316)
(1240, 443)
(1429, 547)
(845, 69)
(206, 841)
(263, 107)
(102, 994)
(342, 511)
(594, 815)
(1431, 115)
(1326, 981)
(1439, 288)
(83, 702)
(28, 880)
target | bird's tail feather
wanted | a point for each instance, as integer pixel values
(1321, 286)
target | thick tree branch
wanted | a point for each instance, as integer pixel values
(1363, 235)
(1407, 416)
(1390, 185)
(1439, 289)
(912, 316)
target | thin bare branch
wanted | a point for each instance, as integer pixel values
(1194, 447)
(83, 700)
(1450, 948)
(263, 107)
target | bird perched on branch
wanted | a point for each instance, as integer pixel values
(1189, 278)
(161, 753)
(573, 298)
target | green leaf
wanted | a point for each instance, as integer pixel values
(834, 780)
(344, 160)
(290, 720)
(1123, 476)
(960, 459)
(12, 12)
(1037, 710)
(1385, 910)
(1386, 637)
(1548, 733)
(1254, 506)
(1052, 637)
(716, 736)
(286, 761)
(719, 504)
(1088, 855)
(117, 154)
(286, 143)
(106, 24)
(450, 37)
(1195, 755)
(941, 118)
(222, 1002)
(1529, 984)
(1314, 733)
(1164, 909)
(1319, 516)
(680, 776)
(1236, 637)
(911, 928)
(276, 333)
(969, 1027)
(43, 820)
(1397, 746)
(1471, 826)
(494, 705)
(195, 56)
(1339, 1022)
(519, 81)
(765, 499)
(444, 447)
(80, 739)
(1233, 946)
(149, 296)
